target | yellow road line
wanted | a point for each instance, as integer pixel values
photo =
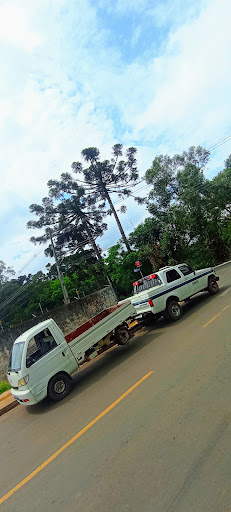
(72, 440)
(215, 316)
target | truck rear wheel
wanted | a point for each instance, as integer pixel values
(213, 287)
(174, 310)
(122, 335)
(59, 387)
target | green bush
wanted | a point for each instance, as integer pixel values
(4, 386)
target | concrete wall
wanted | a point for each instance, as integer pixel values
(67, 317)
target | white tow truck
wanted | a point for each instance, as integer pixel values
(43, 360)
(160, 293)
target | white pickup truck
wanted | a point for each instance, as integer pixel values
(42, 359)
(160, 292)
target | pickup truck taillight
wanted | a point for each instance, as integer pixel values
(150, 303)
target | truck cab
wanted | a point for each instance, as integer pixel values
(37, 355)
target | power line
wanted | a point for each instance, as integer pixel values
(22, 289)
(219, 142)
(20, 271)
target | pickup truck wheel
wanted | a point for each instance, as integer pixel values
(213, 287)
(122, 336)
(166, 315)
(174, 310)
(59, 387)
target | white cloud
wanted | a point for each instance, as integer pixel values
(195, 77)
(14, 25)
(68, 85)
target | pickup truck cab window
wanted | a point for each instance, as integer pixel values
(172, 275)
(186, 269)
(38, 346)
(146, 283)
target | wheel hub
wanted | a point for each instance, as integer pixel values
(59, 387)
(175, 310)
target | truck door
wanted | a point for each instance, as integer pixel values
(189, 275)
(176, 284)
(45, 356)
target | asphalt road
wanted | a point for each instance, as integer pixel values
(164, 447)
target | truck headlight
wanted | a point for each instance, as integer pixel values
(23, 381)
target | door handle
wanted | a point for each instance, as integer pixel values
(63, 354)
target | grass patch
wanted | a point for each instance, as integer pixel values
(4, 386)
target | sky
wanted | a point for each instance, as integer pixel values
(154, 75)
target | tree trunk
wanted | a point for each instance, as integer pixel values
(97, 252)
(117, 220)
(60, 275)
(92, 241)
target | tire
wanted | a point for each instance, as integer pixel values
(122, 336)
(59, 387)
(165, 315)
(174, 310)
(213, 287)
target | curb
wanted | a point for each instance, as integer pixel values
(7, 402)
(8, 407)
(221, 264)
(5, 395)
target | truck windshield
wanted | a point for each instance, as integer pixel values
(145, 283)
(16, 357)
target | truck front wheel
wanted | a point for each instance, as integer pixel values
(59, 387)
(174, 310)
(212, 286)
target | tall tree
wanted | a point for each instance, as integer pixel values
(146, 239)
(75, 220)
(228, 162)
(115, 176)
(220, 198)
(220, 188)
(5, 272)
(180, 201)
(121, 265)
(173, 176)
(79, 217)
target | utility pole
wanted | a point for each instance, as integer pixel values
(64, 290)
(41, 309)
